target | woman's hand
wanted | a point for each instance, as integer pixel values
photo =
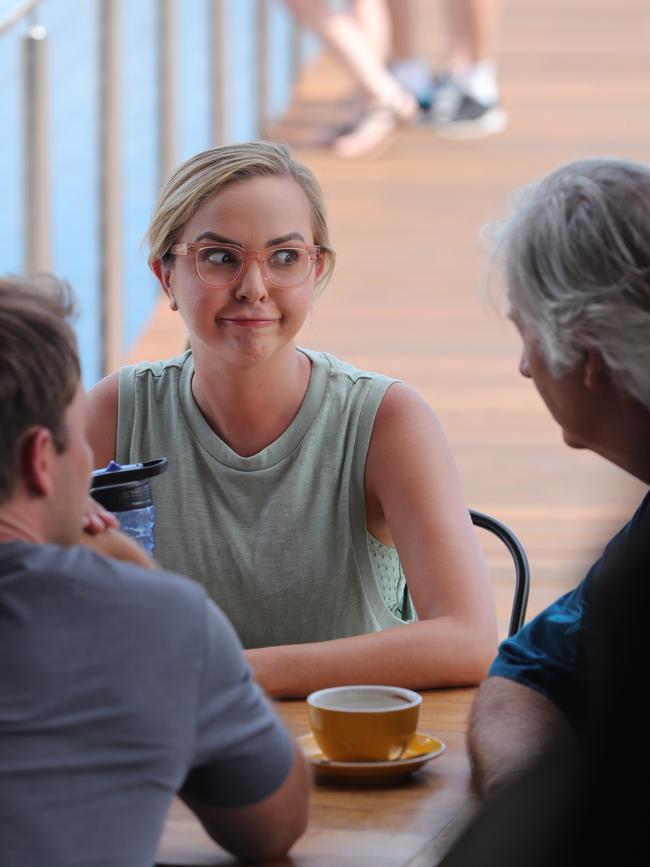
(96, 519)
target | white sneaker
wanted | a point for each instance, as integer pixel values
(456, 114)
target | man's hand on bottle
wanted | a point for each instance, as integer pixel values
(112, 543)
(96, 518)
(100, 532)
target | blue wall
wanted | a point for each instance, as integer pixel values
(73, 37)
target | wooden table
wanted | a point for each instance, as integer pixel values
(409, 822)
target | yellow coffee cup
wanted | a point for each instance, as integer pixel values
(364, 723)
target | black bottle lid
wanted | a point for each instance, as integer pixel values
(117, 474)
(124, 497)
(121, 487)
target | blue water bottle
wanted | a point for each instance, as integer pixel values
(125, 490)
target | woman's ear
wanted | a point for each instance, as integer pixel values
(164, 275)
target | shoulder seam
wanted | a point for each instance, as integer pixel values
(147, 367)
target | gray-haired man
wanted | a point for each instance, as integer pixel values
(576, 259)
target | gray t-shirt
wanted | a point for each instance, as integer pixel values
(118, 687)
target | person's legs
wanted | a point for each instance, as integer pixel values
(411, 69)
(374, 21)
(468, 103)
(387, 103)
(472, 41)
(343, 36)
(472, 31)
(403, 26)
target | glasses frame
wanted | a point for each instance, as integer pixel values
(190, 249)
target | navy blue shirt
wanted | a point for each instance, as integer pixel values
(553, 654)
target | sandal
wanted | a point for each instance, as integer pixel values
(375, 127)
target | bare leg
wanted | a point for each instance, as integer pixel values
(403, 24)
(467, 105)
(387, 103)
(342, 34)
(411, 69)
(472, 27)
(374, 21)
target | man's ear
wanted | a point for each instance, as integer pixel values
(594, 368)
(36, 456)
(164, 274)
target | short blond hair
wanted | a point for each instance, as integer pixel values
(211, 171)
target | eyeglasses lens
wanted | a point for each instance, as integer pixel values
(218, 266)
(285, 267)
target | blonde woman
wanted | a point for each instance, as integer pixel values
(303, 493)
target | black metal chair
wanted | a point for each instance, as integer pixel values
(522, 569)
(520, 560)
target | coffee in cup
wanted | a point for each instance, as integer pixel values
(363, 723)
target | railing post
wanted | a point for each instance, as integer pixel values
(219, 63)
(167, 78)
(38, 247)
(16, 15)
(262, 71)
(297, 33)
(110, 185)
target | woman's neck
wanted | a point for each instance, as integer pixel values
(250, 408)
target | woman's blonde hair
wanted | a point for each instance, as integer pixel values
(211, 171)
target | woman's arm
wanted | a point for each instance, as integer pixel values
(414, 497)
(99, 525)
(102, 419)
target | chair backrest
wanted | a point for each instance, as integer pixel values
(522, 569)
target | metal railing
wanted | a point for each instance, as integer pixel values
(36, 131)
(16, 15)
(36, 167)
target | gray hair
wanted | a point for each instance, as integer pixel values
(575, 254)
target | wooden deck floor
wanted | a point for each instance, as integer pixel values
(408, 294)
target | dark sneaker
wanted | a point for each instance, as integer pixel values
(455, 114)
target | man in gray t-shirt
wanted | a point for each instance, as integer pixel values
(121, 685)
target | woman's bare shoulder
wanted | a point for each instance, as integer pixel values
(407, 443)
(404, 411)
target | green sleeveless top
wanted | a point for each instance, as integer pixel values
(279, 538)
